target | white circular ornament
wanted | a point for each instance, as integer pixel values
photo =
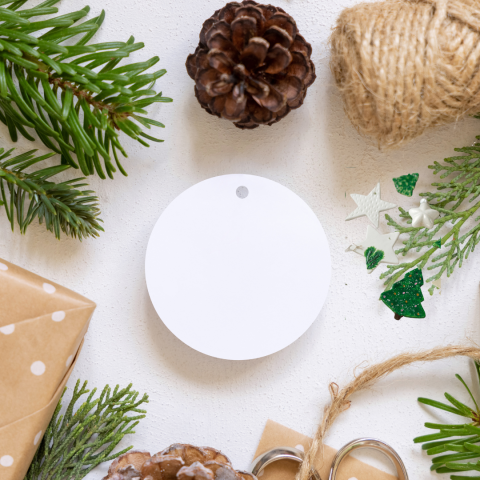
(238, 267)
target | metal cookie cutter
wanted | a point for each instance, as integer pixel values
(280, 453)
(288, 453)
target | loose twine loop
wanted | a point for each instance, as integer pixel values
(341, 398)
(405, 65)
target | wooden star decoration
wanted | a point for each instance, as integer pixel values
(370, 205)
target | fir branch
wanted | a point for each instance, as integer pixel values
(75, 97)
(461, 439)
(76, 442)
(62, 206)
(456, 246)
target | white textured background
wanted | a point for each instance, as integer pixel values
(315, 152)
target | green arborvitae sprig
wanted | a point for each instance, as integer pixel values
(62, 206)
(457, 444)
(451, 249)
(76, 442)
(73, 96)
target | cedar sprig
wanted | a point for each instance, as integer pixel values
(76, 442)
(74, 97)
(455, 245)
(62, 206)
(457, 444)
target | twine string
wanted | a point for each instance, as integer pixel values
(340, 398)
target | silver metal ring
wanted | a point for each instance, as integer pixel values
(280, 453)
(383, 447)
(289, 453)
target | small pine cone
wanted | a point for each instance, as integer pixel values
(251, 65)
(177, 462)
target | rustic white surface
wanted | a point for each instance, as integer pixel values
(316, 153)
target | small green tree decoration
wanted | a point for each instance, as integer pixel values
(74, 97)
(405, 298)
(76, 442)
(26, 196)
(456, 445)
(452, 248)
(405, 185)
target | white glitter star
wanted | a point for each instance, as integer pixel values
(370, 205)
(423, 216)
(381, 242)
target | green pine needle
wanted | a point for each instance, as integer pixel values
(455, 245)
(75, 98)
(62, 206)
(76, 442)
(458, 444)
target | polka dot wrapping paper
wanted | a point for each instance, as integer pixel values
(42, 326)
(276, 435)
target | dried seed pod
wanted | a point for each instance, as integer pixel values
(222, 471)
(196, 471)
(177, 462)
(128, 466)
(190, 454)
(162, 467)
(251, 65)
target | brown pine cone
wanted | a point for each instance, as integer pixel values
(251, 65)
(177, 462)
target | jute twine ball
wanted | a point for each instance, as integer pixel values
(403, 65)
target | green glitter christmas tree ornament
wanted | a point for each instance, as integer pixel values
(437, 243)
(405, 298)
(406, 184)
(373, 257)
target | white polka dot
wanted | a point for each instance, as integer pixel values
(300, 447)
(37, 368)
(69, 360)
(353, 478)
(6, 461)
(58, 316)
(37, 438)
(8, 329)
(49, 288)
(3, 267)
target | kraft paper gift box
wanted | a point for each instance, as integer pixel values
(276, 435)
(42, 326)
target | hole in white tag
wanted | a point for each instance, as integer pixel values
(242, 192)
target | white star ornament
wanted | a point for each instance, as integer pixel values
(370, 205)
(381, 242)
(423, 216)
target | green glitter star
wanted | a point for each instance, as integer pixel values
(405, 298)
(406, 183)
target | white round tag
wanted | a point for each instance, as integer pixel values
(238, 267)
